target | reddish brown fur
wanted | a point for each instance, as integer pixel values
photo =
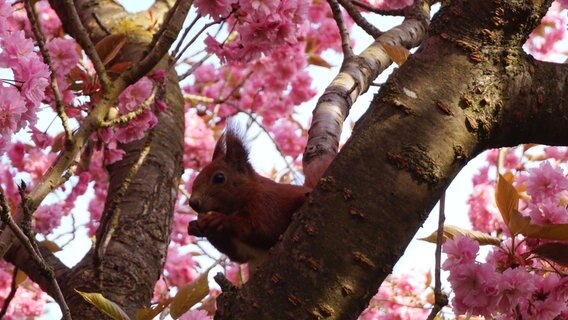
(244, 215)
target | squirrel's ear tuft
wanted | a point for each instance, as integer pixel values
(236, 151)
(220, 147)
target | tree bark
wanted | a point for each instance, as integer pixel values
(134, 258)
(459, 94)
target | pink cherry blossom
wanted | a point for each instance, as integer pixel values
(136, 128)
(47, 218)
(195, 315)
(180, 268)
(389, 4)
(133, 96)
(40, 138)
(288, 135)
(198, 142)
(63, 55)
(475, 286)
(5, 13)
(17, 48)
(545, 181)
(214, 8)
(483, 212)
(50, 23)
(12, 106)
(558, 153)
(544, 304)
(548, 210)
(460, 250)
(514, 285)
(34, 75)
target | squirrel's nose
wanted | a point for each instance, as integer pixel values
(195, 205)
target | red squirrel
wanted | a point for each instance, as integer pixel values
(241, 212)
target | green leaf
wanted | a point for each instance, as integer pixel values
(106, 306)
(189, 295)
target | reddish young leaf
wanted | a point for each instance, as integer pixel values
(109, 46)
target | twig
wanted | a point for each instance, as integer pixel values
(160, 45)
(343, 32)
(35, 255)
(100, 23)
(132, 114)
(224, 283)
(82, 37)
(361, 4)
(194, 67)
(11, 295)
(184, 35)
(205, 27)
(184, 192)
(36, 27)
(359, 19)
(440, 298)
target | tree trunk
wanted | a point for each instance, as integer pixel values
(133, 260)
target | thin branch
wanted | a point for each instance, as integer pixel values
(100, 23)
(440, 298)
(161, 44)
(132, 114)
(59, 107)
(44, 266)
(205, 27)
(11, 295)
(36, 27)
(82, 37)
(361, 4)
(343, 32)
(184, 35)
(27, 241)
(194, 66)
(359, 19)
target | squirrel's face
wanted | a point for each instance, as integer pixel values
(219, 187)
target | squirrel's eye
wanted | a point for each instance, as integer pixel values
(218, 178)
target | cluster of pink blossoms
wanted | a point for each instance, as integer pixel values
(514, 281)
(30, 300)
(548, 42)
(20, 98)
(405, 296)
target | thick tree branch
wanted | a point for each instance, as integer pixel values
(161, 44)
(20, 257)
(535, 105)
(354, 78)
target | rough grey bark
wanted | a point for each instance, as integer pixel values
(467, 88)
